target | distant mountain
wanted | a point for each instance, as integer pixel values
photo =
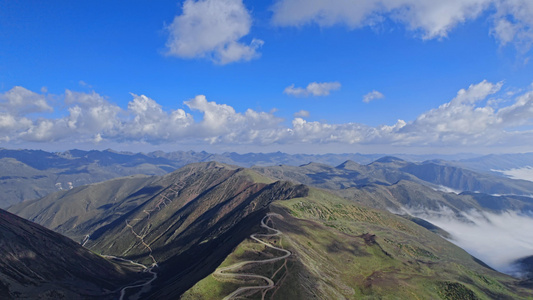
(465, 180)
(526, 265)
(393, 183)
(187, 223)
(279, 158)
(491, 162)
(32, 174)
(37, 263)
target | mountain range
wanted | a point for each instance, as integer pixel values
(209, 230)
(32, 174)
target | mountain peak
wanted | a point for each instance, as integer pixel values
(314, 165)
(348, 165)
(389, 159)
(214, 165)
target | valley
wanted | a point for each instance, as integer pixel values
(211, 230)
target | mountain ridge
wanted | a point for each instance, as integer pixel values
(32, 174)
(186, 223)
(37, 262)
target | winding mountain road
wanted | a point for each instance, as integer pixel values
(142, 283)
(270, 283)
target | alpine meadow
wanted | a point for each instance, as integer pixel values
(278, 149)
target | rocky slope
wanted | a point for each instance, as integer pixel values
(185, 222)
(37, 263)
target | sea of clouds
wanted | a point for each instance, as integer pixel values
(496, 239)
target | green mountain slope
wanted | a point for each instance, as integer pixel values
(341, 250)
(392, 183)
(183, 225)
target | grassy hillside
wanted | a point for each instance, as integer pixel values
(186, 223)
(345, 251)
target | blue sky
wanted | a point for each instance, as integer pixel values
(311, 76)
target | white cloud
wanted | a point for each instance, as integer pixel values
(512, 20)
(372, 96)
(20, 101)
(90, 113)
(476, 92)
(459, 121)
(313, 89)
(510, 229)
(302, 114)
(513, 23)
(525, 173)
(148, 121)
(504, 31)
(212, 29)
(433, 18)
(221, 124)
(471, 119)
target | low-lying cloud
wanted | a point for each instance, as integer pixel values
(525, 173)
(496, 239)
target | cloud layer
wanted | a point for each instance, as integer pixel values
(512, 20)
(212, 29)
(496, 239)
(475, 117)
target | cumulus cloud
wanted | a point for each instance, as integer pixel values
(475, 117)
(221, 123)
(90, 112)
(372, 96)
(148, 121)
(87, 114)
(460, 121)
(212, 29)
(20, 101)
(512, 20)
(313, 89)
